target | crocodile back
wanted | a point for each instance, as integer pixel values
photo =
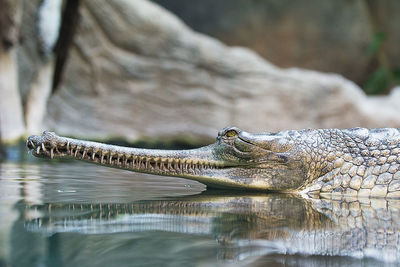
(356, 162)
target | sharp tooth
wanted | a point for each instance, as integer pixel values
(43, 147)
(67, 145)
(141, 161)
(151, 163)
(132, 163)
(109, 157)
(176, 165)
(201, 166)
(38, 150)
(183, 164)
(102, 157)
(76, 152)
(195, 164)
(83, 153)
(51, 153)
(93, 155)
(33, 145)
(156, 162)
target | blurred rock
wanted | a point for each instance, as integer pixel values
(36, 60)
(385, 15)
(11, 112)
(136, 71)
(29, 57)
(352, 38)
(329, 36)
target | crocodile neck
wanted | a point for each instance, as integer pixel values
(355, 162)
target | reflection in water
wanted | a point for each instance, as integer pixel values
(63, 228)
(212, 212)
(244, 225)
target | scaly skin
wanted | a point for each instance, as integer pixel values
(355, 162)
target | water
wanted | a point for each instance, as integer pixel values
(78, 214)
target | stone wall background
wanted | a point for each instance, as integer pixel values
(353, 38)
(135, 71)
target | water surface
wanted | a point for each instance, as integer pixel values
(78, 214)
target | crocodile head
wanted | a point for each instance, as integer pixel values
(237, 159)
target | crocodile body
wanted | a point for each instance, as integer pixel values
(355, 162)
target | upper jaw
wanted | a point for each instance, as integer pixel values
(218, 155)
(50, 145)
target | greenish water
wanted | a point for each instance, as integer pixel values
(77, 214)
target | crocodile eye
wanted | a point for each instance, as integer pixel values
(231, 133)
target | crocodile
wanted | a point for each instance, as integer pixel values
(355, 162)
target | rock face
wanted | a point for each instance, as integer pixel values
(333, 36)
(11, 112)
(40, 22)
(136, 71)
(387, 22)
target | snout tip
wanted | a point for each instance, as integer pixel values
(32, 141)
(35, 141)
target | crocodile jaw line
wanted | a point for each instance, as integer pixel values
(195, 164)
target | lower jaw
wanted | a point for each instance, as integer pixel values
(172, 168)
(208, 174)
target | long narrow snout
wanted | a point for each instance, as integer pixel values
(162, 162)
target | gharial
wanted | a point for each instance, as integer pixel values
(355, 162)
